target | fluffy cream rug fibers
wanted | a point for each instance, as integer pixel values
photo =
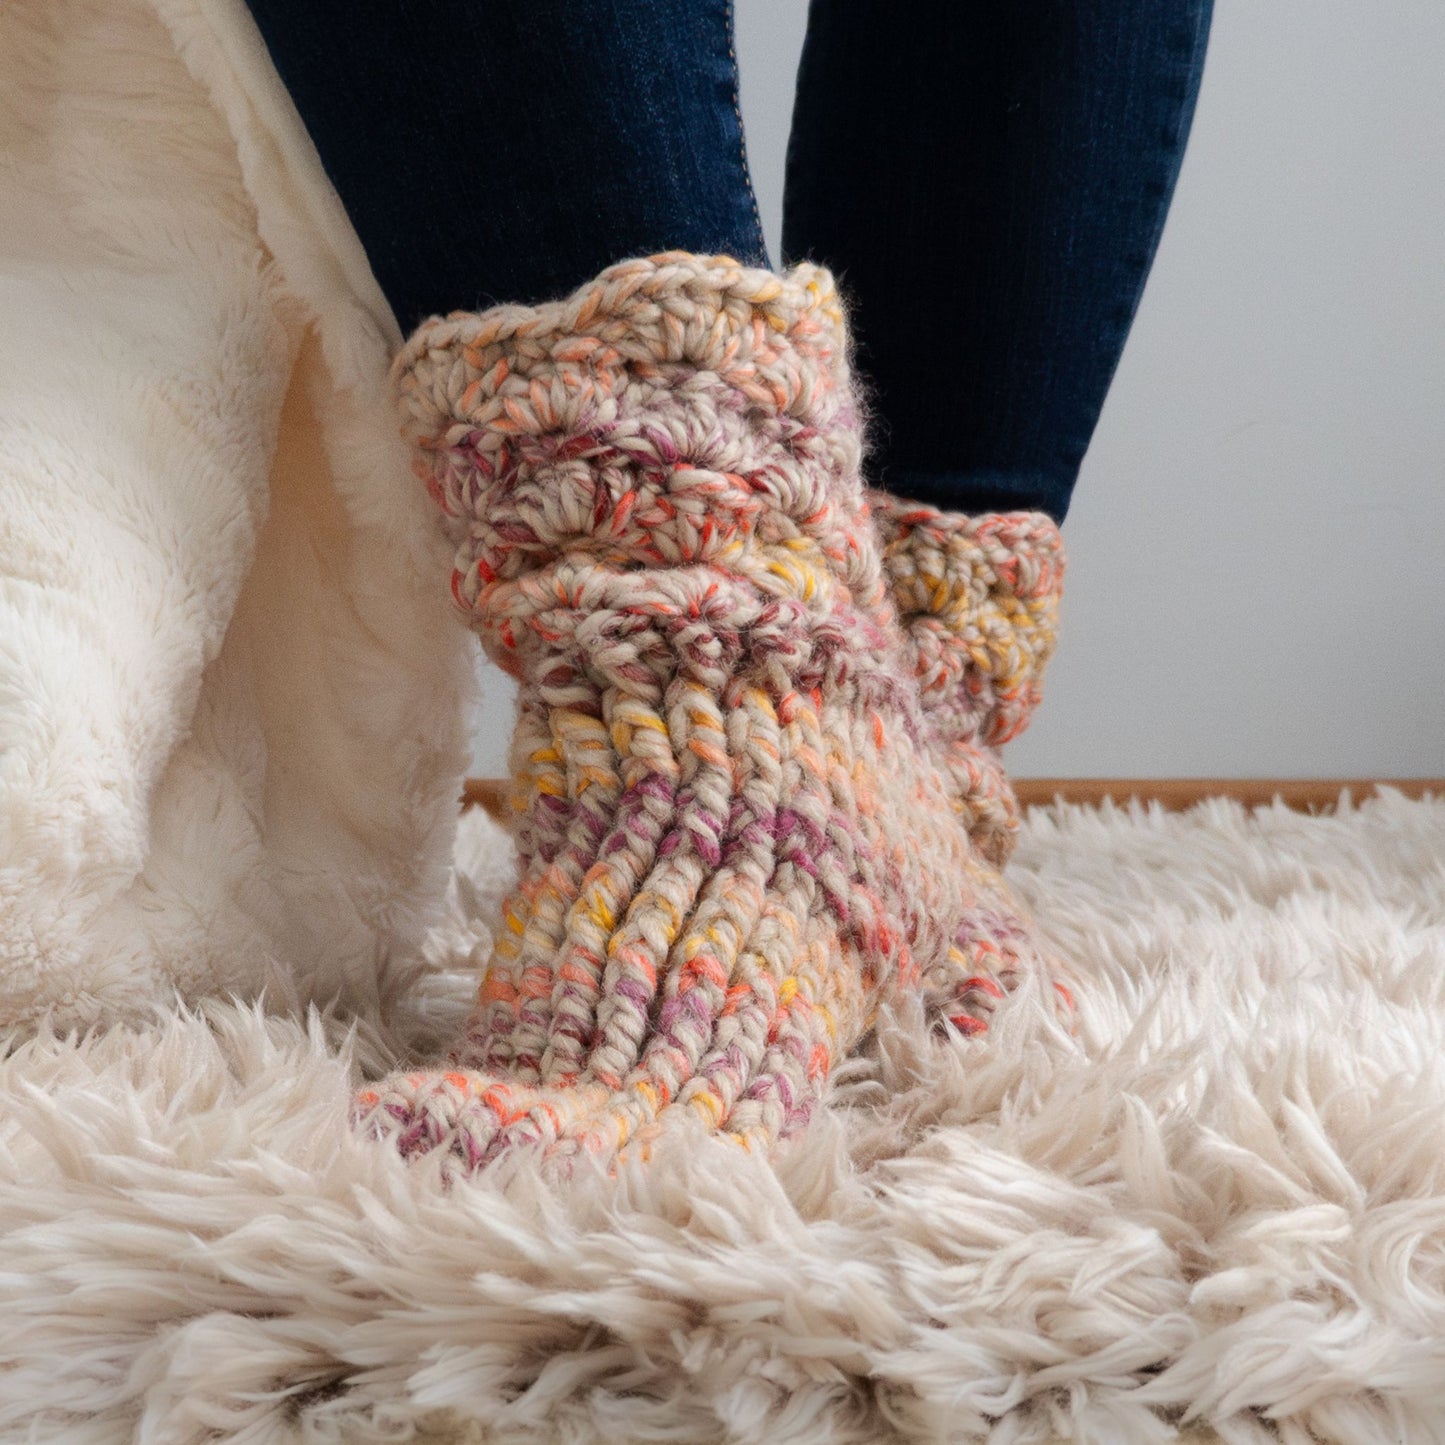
(1220, 1205)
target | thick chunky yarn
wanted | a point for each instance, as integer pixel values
(735, 839)
(977, 599)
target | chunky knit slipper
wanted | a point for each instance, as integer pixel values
(977, 600)
(735, 837)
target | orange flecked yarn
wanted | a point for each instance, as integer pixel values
(977, 599)
(743, 821)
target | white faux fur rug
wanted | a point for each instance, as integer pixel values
(1221, 1202)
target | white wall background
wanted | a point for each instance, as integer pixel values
(1256, 583)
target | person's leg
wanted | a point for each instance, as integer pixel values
(730, 842)
(989, 180)
(493, 151)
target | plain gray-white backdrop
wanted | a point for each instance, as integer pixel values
(1255, 582)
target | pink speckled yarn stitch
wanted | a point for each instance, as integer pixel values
(977, 599)
(735, 835)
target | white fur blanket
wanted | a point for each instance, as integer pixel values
(1223, 1200)
(232, 699)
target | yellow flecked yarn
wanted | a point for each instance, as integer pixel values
(736, 833)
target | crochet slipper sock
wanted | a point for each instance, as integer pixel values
(977, 599)
(734, 837)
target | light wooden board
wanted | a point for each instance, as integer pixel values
(1306, 794)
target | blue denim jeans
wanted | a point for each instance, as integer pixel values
(987, 178)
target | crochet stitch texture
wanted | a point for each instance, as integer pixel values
(977, 600)
(750, 803)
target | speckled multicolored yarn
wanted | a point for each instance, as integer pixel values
(977, 599)
(735, 837)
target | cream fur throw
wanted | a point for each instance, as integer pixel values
(232, 723)
(232, 716)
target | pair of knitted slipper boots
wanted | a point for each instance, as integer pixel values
(754, 770)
